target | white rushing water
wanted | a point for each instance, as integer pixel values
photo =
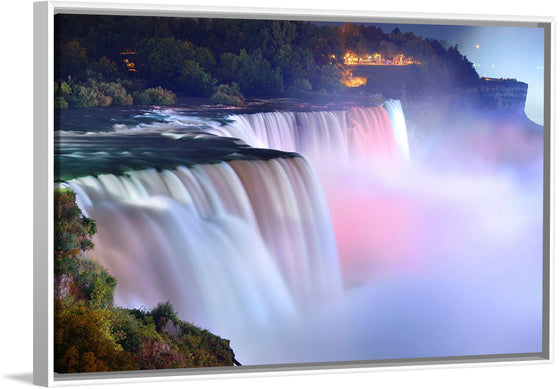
(344, 253)
(230, 244)
(398, 124)
(375, 132)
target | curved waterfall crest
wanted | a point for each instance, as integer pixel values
(238, 243)
(244, 238)
(378, 132)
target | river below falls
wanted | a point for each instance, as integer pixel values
(316, 234)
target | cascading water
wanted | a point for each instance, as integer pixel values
(377, 260)
(310, 133)
(232, 245)
(247, 240)
(377, 132)
(398, 124)
(241, 240)
(370, 132)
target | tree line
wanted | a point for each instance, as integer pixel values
(228, 59)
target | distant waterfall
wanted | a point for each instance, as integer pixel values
(228, 244)
(396, 115)
(370, 133)
(310, 133)
(378, 132)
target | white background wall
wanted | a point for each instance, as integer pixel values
(16, 153)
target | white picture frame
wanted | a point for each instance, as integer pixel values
(44, 177)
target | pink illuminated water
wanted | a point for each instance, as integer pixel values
(360, 249)
(182, 235)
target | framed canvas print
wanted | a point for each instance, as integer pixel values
(221, 192)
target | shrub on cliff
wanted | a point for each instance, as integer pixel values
(59, 102)
(154, 96)
(91, 334)
(228, 95)
(72, 230)
(117, 92)
(84, 340)
(84, 96)
(162, 313)
(95, 92)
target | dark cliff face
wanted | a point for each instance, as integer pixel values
(420, 82)
(502, 95)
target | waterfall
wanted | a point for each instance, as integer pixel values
(334, 251)
(229, 244)
(241, 243)
(377, 132)
(396, 115)
(370, 133)
(309, 133)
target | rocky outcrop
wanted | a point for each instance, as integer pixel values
(504, 95)
(173, 330)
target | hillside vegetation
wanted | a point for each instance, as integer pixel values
(94, 335)
(114, 60)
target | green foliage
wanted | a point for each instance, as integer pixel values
(327, 78)
(195, 81)
(154, 96)
(116, 92)
(65, 88)
(252, 72)
(84, 340)
(86, 96)
(228, 95)
(106, 68)
(72, 59)
(441, 68)
(301, 85)
(164, 58)
(353, 40)
(59, 102)
(91, 335)
(163, 312)
(128, 331)
(187, 346)
(94, 93)
(265, 57)
(295, 63)
(93, 283)
(204, 57)
(72, 230)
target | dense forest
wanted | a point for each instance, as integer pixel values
(92, 334)
(123, 60)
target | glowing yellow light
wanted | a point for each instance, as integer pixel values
(354, 82)
(379, 60)
(477, 46)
